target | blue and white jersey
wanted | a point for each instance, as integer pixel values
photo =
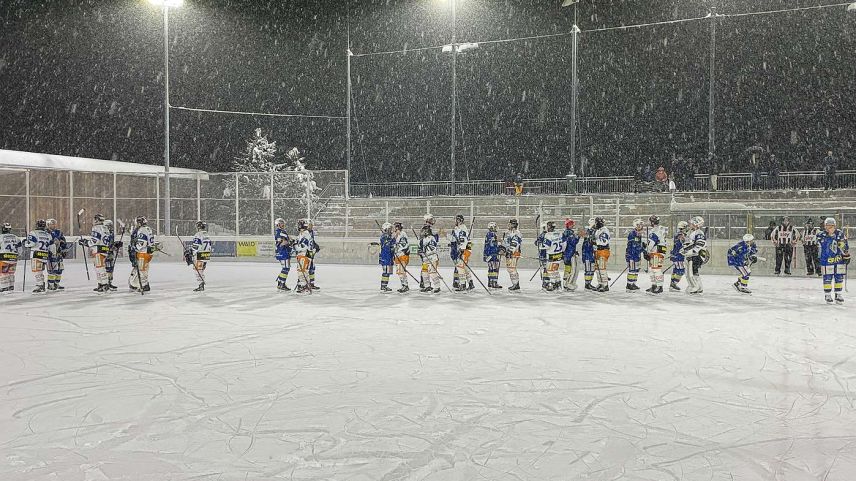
(677, 254)
(656, 242)
(695, 243)
(832, 247)
(314, 245)
(571, 239)
(741, 254)
(587, 250)
(387, 247)
(145, 240)
(100, 239)
(402, 244)
(283, 244)
(10, 247)
(633, 251)
(428, 247)
(459, 241)
(491, 245)
(58, 246)
(512, 242)
(602, 238)
(553, 245)
(304, 244)
(39, 242)
(201, 246)
(539, 242)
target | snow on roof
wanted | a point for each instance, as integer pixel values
(32, 160)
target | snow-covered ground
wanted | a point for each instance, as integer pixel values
(243, 383)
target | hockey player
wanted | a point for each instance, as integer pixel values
(303, 252)
(10, 249)
(809, 241)
(555, 251)
(491, 255)
(425, 281)
(655, 252)
(110, 261)
(56, 253)
(602, 239)
(430, 259)
(313, 251)
(98, 246)
(461, 248)
(633, 254)
(144, 246)
(572, 267)
(282, 244)
(834, 259)
(512, 242)
(385, 257)
(39, 241)
(542, 256)
(200, 253)
(587, 254)
(402, 254)
(695, 251)
(741, 256)
(677, 256)
(784, 238)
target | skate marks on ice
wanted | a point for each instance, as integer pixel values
(347, 384)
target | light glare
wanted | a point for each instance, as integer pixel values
(167, 3)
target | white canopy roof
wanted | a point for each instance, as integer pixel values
(31, 160)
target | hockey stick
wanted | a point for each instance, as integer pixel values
(477, 277)
(540, 261)
(395, 256)
(24, 283)
(619, 276)
(193, 263)
(82, 249)
(432, 265)
(137, 266)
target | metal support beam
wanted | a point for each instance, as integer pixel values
(711, 125)
(167, 199)
(574, 90)
(454, 88)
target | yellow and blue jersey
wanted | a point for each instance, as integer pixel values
(633, 251)
(387, 246)
(571, 239)
(283, 244)
(741, 254)
(491, 245)
(833, 247)
(588, 246)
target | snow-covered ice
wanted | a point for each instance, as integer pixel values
(243, 383)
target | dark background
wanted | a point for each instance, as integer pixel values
(85, 78)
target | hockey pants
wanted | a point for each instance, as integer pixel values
(401, 268)
(572, 271)
(99, 263)
(7, 274)
(655, 269)
(143, 261)
(812, 265)
(511, 267)
(601, 259)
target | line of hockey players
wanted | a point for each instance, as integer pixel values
(560, 261)
(48, 248)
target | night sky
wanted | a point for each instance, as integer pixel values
(85, 78)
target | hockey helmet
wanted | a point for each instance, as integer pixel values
(491, 226)
(551, 226)
(302, 224)
(459, 219)
(7, 228)
(591, 222)
(638, 224)
(599, 222)
(51, 222)
(697, 221)
(747, 238)
(41, 224)
(570, 223)
(654, 219)
(682, 225)
(830, 221)
(513, 224)
(98, 218)
(398, 226)
(141, 221)
(429, 219)
(200, 225)
(386, 227)
(108, 224)
(279, 222)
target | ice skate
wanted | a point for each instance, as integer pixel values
(515, 287)
(403, 289)
(39, 288)
(829, 299)
(200, 288)
(839, 298)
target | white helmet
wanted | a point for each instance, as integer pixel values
(386, 227)
(429, 219)
(51, 222)
(279, 222)
(637, 224)
(829, 221)
(747, 238)
(491, 226)
(108, 224)
(682, 225)
(697, 221)
(591, 223)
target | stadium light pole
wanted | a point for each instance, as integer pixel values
(574, 85)
(166, 5)
(454, 87)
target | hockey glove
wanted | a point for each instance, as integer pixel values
(117, 245)
(753, 259)
(83, 241)
(846, 259)
(188, 257)
(647, 256)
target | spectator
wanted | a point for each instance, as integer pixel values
(518, 185)
(672, 186)
(830, 168)
(661, 179)
(768, 234)
(773, 171)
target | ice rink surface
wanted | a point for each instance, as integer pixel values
(243, 383)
